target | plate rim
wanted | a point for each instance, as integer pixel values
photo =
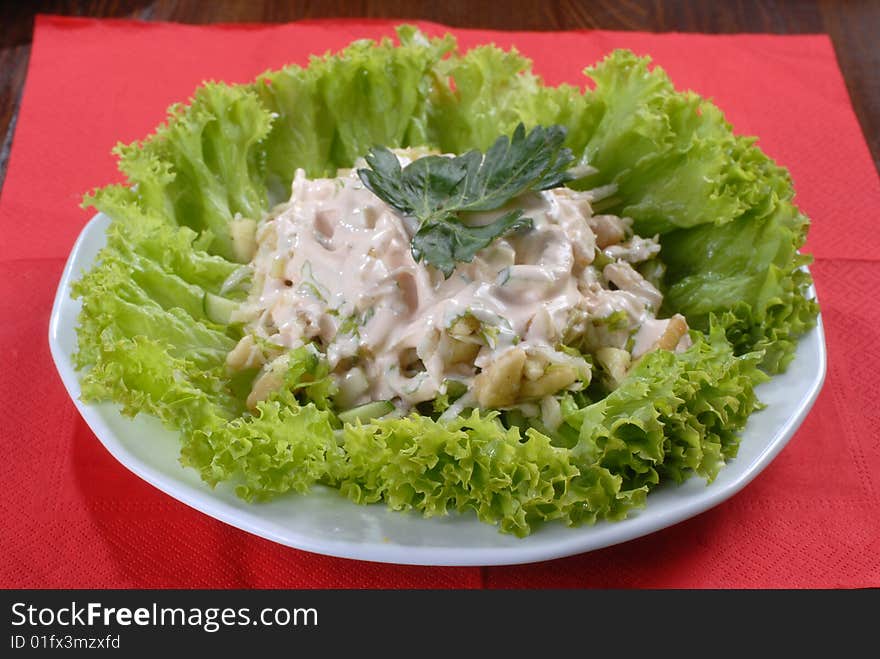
(578, 543)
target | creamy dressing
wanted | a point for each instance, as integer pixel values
(333, 266)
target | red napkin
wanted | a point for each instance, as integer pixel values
(73, 517)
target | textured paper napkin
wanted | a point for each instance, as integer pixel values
(70, 516)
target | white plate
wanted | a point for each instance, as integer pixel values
(326, 523)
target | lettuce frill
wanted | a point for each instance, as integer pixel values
(729, 231)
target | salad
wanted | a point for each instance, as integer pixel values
(424, 278)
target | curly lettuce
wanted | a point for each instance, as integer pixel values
(729, 231)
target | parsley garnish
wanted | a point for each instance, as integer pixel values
(435, 190)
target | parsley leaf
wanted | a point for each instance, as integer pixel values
(436, 189)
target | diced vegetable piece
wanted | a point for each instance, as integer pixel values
(218, 309)
(375, 410)
(244, 239)
(615, 363)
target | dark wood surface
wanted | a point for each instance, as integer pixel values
(854, 27)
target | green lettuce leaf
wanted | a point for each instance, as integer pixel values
(750, 275)
(143, 338)
(329, 114)
(288, 444)
(206, 165)
(674, 415)
(729, 231)
(488, 91)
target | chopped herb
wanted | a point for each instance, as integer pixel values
(489, 334)
(309, 288)
(617, 320)
(351, 324)
(601, 259)
(310, 285)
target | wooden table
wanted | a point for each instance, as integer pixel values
(854, 27)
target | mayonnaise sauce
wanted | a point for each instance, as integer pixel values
(334, 266)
